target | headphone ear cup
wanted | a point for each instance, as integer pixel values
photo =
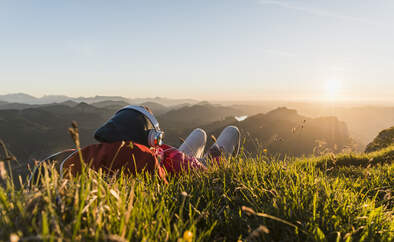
(151, 138)
(155, 138)
(160, 136)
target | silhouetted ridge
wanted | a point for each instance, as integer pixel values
(284, 131)
(19, 98)
(84, 107)
(157, 109)
(110, 104)
(284, 113)
(384, 139)
(69, 103)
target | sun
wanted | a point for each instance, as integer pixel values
(332, 89)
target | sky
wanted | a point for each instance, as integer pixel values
(202, 49)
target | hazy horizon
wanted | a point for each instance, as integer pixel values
(278, 101)
(252, 50)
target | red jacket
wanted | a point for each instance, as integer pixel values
(133, 158)
(175, 161)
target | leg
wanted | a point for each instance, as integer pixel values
(227, 143)
(194, 143)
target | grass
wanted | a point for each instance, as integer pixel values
(327, 198)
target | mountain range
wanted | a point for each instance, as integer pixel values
(23, 98)
(33, 133)
(179, 116)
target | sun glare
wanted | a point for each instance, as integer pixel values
(332, 89)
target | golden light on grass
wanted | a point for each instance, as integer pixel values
(3, 171)
(188, 236)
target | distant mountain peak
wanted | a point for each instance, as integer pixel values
(18, 94)
(19, 98)
(204, 103)
(282, 110)
(152, 103)
(82, 106)
(284, 113)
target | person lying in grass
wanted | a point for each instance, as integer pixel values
(132, 140)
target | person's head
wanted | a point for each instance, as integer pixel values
(131, 123)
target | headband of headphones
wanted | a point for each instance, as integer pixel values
(145, 112)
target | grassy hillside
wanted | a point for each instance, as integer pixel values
(384, 139)
(333, 197)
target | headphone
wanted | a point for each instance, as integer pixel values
(155, 135)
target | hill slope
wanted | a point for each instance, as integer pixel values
(195, 115)
(37, 132)
(284, 131)
(384, 139)
(335, 198)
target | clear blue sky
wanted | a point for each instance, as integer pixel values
(205, 49)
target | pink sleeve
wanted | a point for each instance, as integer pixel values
(176, 161)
